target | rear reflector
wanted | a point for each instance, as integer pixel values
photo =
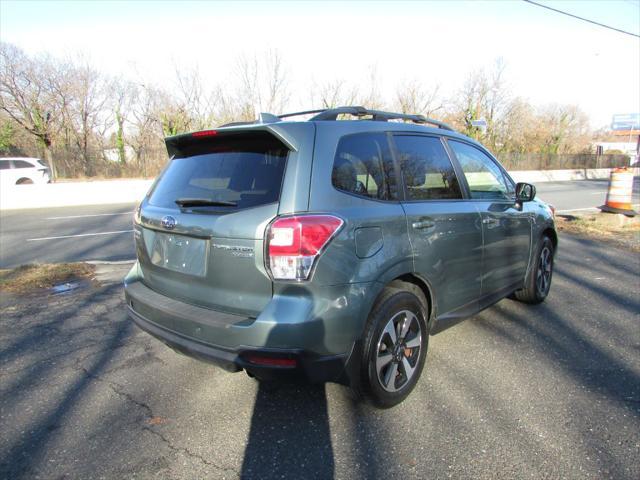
(205, 133)
(272, 362)
(295, 242)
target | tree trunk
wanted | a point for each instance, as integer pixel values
(48, 157)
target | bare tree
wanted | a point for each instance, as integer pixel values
(88, 96)
(262, 85)
(199, 103)
(333, 94)
(26, 96)
(412, 97)
(483, 96)
(277, 95)
(370, 96)
(67, 110)
(567, 128)
(123, 98)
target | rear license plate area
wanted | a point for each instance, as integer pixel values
(179, 253)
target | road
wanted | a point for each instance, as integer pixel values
(104, 232)
(551, 391)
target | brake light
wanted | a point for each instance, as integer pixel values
(294, 243)
(205, 133)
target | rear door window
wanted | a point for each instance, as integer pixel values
(426, 168)
(5, 164)
(363, 166)
(235, 170)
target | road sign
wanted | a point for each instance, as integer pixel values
(626, 121)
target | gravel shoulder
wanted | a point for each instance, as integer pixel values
(551, 391)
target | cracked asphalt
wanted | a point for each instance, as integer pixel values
(551, 391)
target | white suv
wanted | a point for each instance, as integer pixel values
(21, 171)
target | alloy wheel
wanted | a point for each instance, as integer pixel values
(543, 274)
(398, 351)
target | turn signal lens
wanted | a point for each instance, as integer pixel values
(295, 242)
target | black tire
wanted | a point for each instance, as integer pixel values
(538, 281)
(24, 181)
(399, 305)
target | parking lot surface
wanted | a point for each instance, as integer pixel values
(551, 391)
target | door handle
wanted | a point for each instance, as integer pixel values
(423, 223)
(490, 221)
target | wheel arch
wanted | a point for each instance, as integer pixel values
(410, 278)
(553, 235)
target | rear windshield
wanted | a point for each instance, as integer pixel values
(232, 171)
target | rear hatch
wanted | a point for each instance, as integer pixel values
(199, 232)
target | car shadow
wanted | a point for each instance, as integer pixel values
(289, 435)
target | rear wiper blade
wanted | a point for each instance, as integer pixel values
(204, 202)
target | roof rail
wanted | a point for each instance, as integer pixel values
(357, 111)
(379, 115)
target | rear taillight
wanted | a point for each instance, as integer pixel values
(294, 243)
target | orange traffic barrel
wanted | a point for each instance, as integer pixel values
(620, 192)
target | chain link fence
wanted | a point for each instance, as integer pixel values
(542, 161)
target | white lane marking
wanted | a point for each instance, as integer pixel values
(91, 215)
(79, 235)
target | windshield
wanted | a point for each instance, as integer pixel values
(234, 173)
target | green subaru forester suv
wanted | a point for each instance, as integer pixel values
(330, 249)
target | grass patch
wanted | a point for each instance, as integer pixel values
(27, 278)
(611, 228)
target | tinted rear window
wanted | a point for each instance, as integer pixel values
(245, 169)
(363, 166)
(426, 168)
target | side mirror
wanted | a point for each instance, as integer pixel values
(525, 192)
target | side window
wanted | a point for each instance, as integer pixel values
(21, 164)
(5, 164)
(426, 168)
(363, 166)
(485, 178)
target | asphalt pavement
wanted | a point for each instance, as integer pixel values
(66, 234)
(104, 232)
(548, 391)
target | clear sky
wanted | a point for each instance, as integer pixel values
(549, 57)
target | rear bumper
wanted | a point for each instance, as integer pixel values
(312, 368)
(199, 332)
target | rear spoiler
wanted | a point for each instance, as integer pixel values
(211, 141)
